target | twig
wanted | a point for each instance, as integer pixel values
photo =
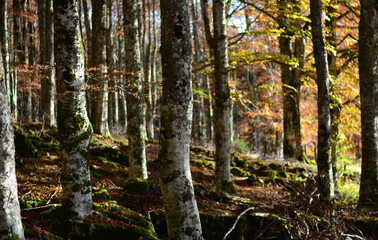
(39, 207)
(236, 221)
(52, 196)
(107, 179)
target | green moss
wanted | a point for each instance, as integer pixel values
(140, 186)
(239, 161)
(105, 161)
(111, 154)
(100, 170)
(24, 145)
(236, 171)
(254, 180)
(102, 195)
(276, 166)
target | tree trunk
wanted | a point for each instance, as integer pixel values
(368, 65)
(324, 178)
(10, 217)
(134, 100)
(4, 35)
(98, 80)
(74, 128)
(222, 102)
(176, 120)
(291, 84)
(336, 105)
(46, 36)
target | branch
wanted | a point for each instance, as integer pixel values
(236, 221)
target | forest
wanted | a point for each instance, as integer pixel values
(177, 119)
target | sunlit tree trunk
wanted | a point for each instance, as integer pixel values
(134, 100)
(325, 176)
(336, 105)
(174, 169)
(46, 36)
(98, 81)
(74, 128)
(10, 216)
(368, 65)
(198, 105)
(222, 101)
(291, 47)
(4, 36)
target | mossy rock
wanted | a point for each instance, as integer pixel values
(82, 229)
(139, 186)
(102, 195)
(198, 149)
(263, 168)
(215, 227)
(237, 171)
(111, 154)
(24, 146)
(254, 180)
(276, 166)
(105, 161)
(239, 161)
(203, 163)
(100, 170)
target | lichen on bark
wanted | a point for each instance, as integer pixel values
(74, 128)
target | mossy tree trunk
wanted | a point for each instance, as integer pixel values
(74, 127)
(176, 120)
(10, 216)
(134, 99)
(325, 176)
(368, 66)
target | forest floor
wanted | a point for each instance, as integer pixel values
(281, 193)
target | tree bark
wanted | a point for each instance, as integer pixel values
(10, 216)
(368, 65)
(98, 80)
(46, 36)
(74, 128)
(4, 35)
(222, 101)
(324, 178)
(134, 100)
(291, 47)
(176, 120)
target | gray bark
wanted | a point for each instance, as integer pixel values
(368, 66)
(222, 101)
(46, 36)
(74, 128)
(4, 35)
(176, 120)
(324, 178)
(99, 94)
(10, 217)
(134, 100)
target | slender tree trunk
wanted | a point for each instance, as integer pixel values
(324, 178)
(46, 35)
(368, 65)
(74, 128)
(4, 36)
(174, 169)
(99, 95)
(222, 101)
(10, 215)
(336, 105)
(135, 128)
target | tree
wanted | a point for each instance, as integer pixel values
(174, 169)
(4, 35)
(222, 102)
(99, 95)
(291, 47)
(324, 178)
(46, 36)
(134, 100)
(74, 128)
(368, 65)
(10, 216)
